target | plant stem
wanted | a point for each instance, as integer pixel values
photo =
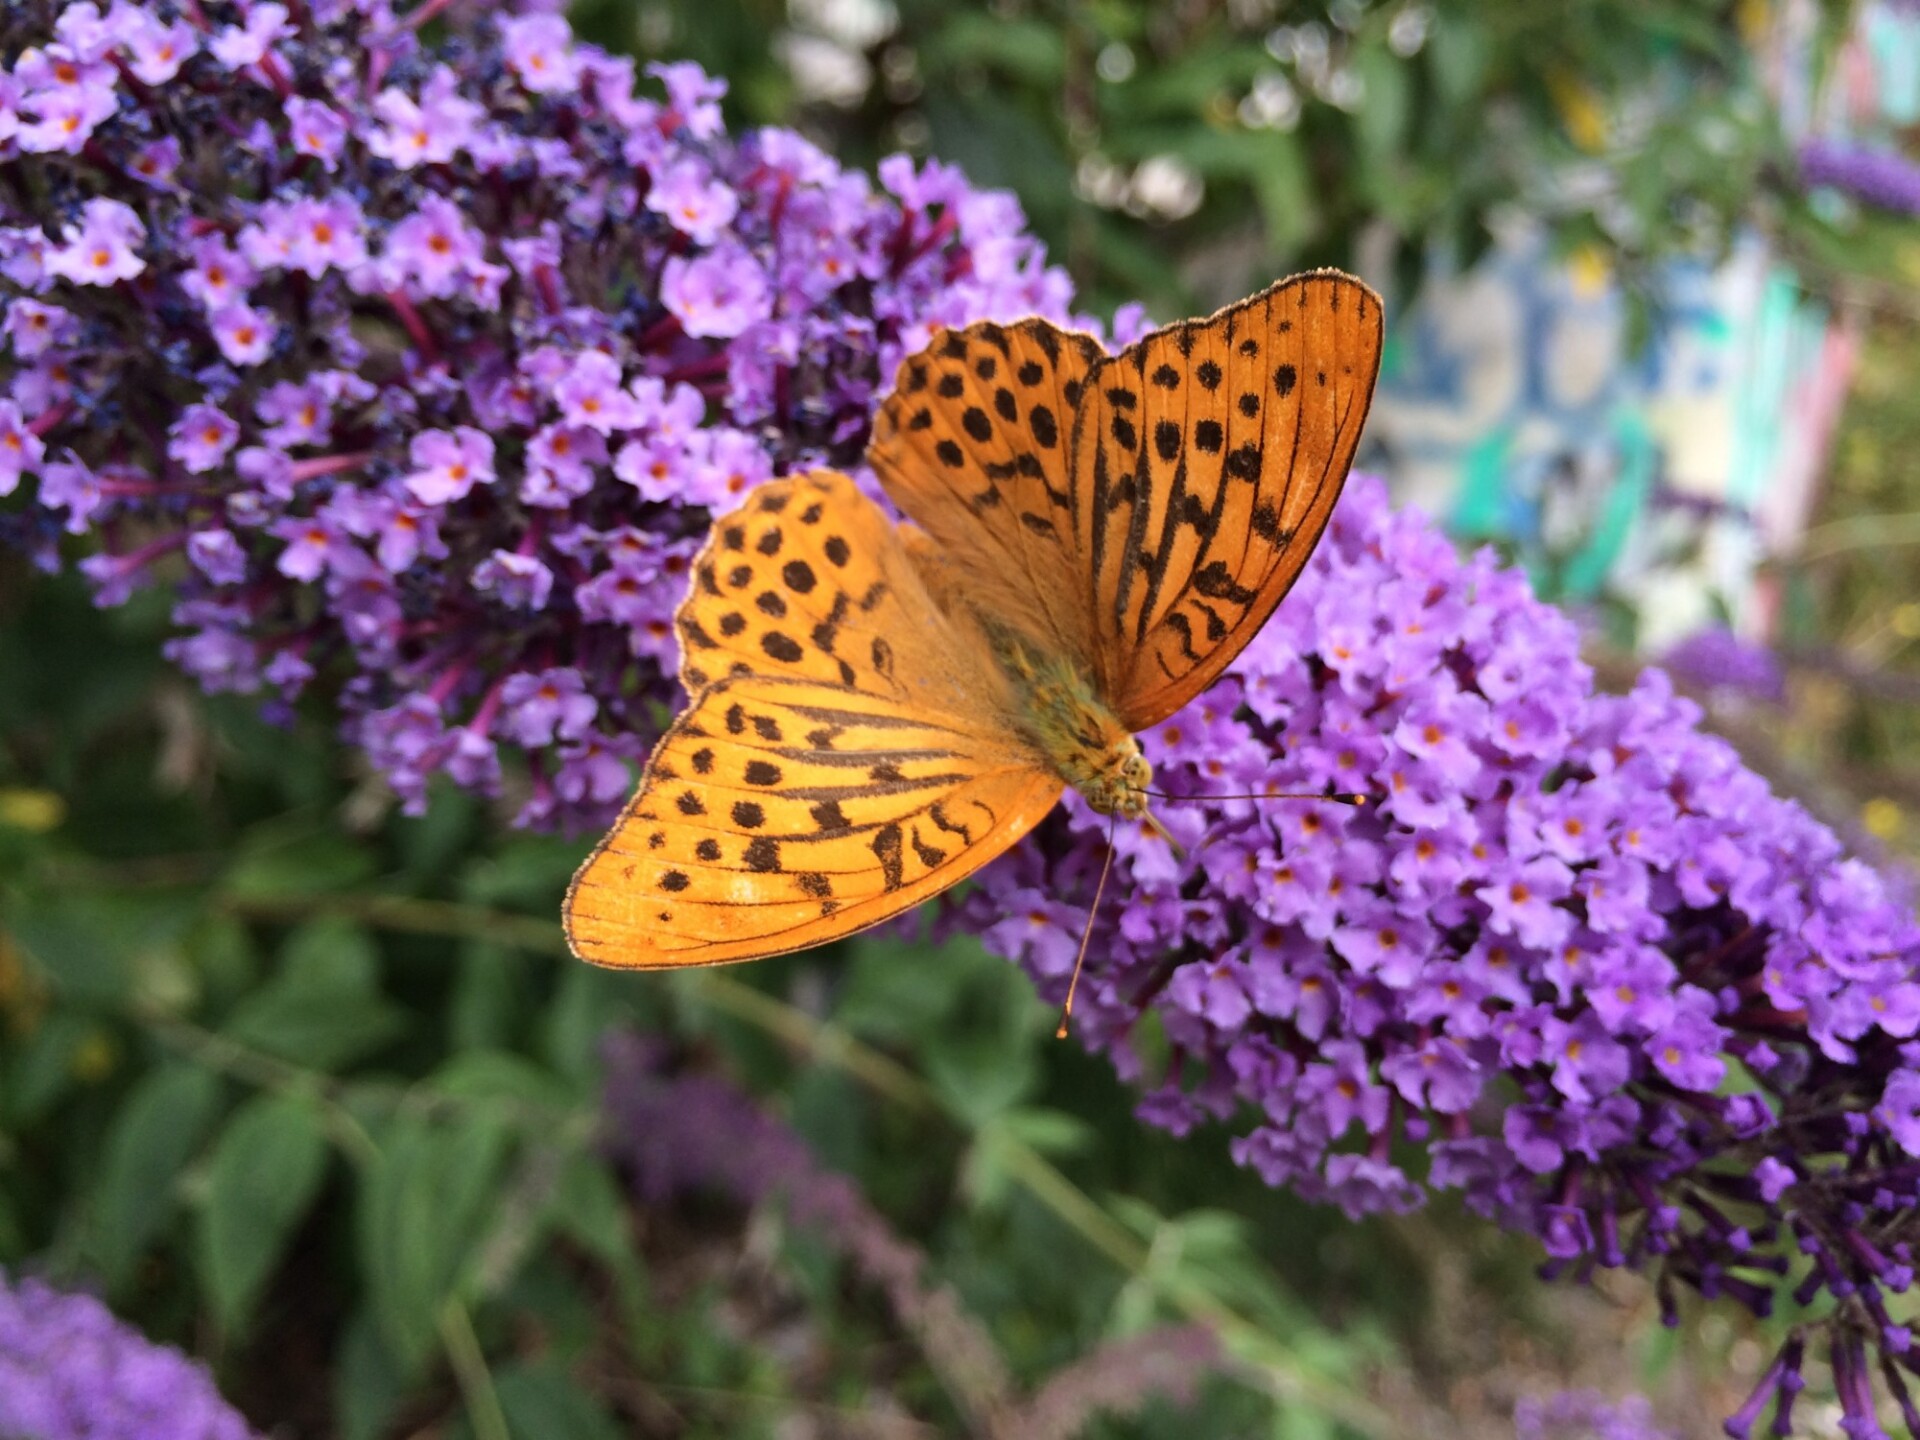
(471, 1374)
(264, 1072)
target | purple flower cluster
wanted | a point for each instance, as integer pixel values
(421, 368)
(1880, 177)
(1583, 1415)
(1619, 994)
(70, 1371)
(1720, 660)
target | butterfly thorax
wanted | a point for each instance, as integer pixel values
(1083, 740)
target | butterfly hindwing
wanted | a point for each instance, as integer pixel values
(740, 845)
(1206, 461)
(846, 754)
(973, 444)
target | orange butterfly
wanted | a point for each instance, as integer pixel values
(877, 710)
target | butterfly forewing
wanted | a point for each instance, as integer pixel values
(848, 750)
(1207, 459)
(973, 445)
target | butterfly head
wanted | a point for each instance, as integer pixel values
(1115, 782)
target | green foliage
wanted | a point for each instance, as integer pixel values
(289, 1075)
(161, 1123)
(1186, 155)
(262, 1175)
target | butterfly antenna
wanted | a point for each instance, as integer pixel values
(1086, 936)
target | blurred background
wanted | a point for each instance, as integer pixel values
(1653, 277)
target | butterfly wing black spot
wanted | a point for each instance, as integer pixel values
(889, 850)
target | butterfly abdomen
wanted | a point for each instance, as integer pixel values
(1082, 739)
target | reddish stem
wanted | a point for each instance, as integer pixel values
(135, 560)
(327, 465)
(449, 679)
(779, 208)
(378, 61)
(276, 74)
(144, 489)
(489, 706)
(934, 238)
(1768, 1018)
(660, 333)
(536, 526)
(39, 428)
(425, 13)
(696, 370)
(415, 326)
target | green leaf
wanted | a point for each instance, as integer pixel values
(1303, 1422)
(41, 1068)
(1192, 82)
(588, 1206)
(504, 1077)
(896, 989)
(368, 1381)
(1028, 52)
(529, 870)
(1289, 210)
(264, 1173)
(1459, 54)
(155, 1132)
(333, 952)
(987, 1174)
(315, 1027)
(422, 1210)
(221, 952)
(1381, 122)
(489, 1006)
(323, 1010)
(13, 1235)
(432, 844)
(590, 1000)
(1051, 1132)
(541, 1403)
(279, 859)
(87, 943)
(987, 1061)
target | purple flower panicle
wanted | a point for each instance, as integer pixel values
(1880, 177)
(421, 367)
(1720, 660)
(686, 1134)
(1576, 955)
(1584, 1415)
(70, 1371)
